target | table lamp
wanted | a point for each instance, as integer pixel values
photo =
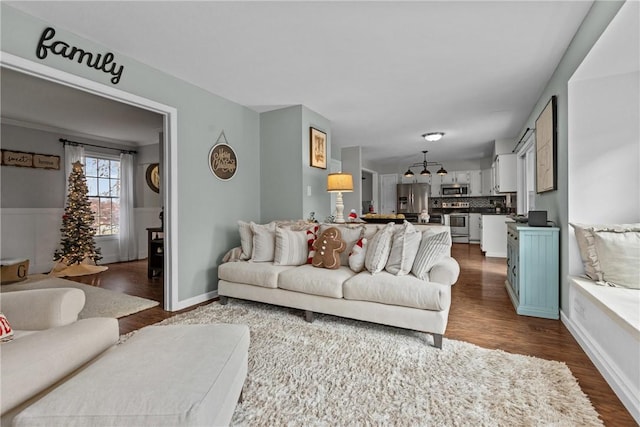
(337, 183)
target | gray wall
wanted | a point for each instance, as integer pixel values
(352, 163)
(42, 188)
(27, 187)
(556, 202)
(286, 176)
(207, 207)
(281, 174)
(319, 201)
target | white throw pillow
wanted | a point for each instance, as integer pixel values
(619, 257)
(404, 248)
(264, 242)
(432, 249)
(378, 249)
(357, 255)
(585, 238)
(291, 247)
(349, 234)
(246, 239)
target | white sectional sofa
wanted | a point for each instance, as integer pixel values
(403, 300)
(49, 343)
(58, 371)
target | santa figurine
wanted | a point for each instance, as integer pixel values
(353, 215)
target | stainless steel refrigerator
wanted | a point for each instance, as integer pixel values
(413, 198)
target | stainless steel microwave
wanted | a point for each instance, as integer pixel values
(454, 190)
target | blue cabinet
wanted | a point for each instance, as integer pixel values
(533, 270)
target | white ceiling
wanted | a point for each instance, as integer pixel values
(383, 73)
(28, 100)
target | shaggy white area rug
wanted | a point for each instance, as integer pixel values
(337, 371)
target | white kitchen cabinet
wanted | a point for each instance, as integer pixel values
(456, 177)
(494, 235)
(505, 173)
(475, 227)
(435, 181)
(475, 183)
(487, 182)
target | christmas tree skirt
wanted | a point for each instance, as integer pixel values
(86, 267)
(61, 269)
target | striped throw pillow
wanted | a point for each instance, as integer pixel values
(432, 249)
(312, 235)
(378, 250)
(6, 333)
(291, 247)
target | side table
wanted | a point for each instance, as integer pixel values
(155, 260)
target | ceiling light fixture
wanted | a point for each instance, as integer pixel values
(425, 172)
(433, 136)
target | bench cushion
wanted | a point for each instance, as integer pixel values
(187, 375)
(34, 361)
(252, 273)
(407, 291)
(315, 281)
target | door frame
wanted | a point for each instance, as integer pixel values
(170, 151)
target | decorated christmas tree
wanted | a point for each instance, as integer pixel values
(78, 243)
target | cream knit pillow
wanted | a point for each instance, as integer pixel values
(264, 242)
(618, 257)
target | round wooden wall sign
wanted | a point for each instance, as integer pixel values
(223, 161)
(153, 177)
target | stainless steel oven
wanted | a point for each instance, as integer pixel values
(459, 224)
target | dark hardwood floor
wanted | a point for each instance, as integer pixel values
(481, 313)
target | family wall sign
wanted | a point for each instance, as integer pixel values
(103, 62)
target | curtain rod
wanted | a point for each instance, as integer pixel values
(67, 141)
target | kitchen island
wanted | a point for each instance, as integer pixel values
(494, 235)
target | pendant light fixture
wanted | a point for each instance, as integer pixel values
(433, 136)
(425, 164)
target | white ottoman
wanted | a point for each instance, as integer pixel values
(181, 375)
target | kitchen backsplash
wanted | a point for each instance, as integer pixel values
(474, 202)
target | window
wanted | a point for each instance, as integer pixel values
(103, 182)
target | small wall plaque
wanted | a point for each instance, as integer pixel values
(30, 160)
(222, 159)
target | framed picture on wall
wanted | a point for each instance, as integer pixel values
(152, 176)
(317, 148)
(547, 148)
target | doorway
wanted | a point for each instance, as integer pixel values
(169, 150)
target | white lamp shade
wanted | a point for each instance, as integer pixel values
(339, 182)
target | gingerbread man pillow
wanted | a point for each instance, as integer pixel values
(328, 248)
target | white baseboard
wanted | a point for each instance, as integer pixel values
(606, 368)
(181, 305)
(495, 254)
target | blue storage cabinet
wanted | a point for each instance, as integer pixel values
(533, 270)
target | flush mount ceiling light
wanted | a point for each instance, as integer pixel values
(425, 172)
(433, 136)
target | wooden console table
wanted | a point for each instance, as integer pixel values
(155, 260)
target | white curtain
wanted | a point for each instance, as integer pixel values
(72, 154)
(127, 235)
